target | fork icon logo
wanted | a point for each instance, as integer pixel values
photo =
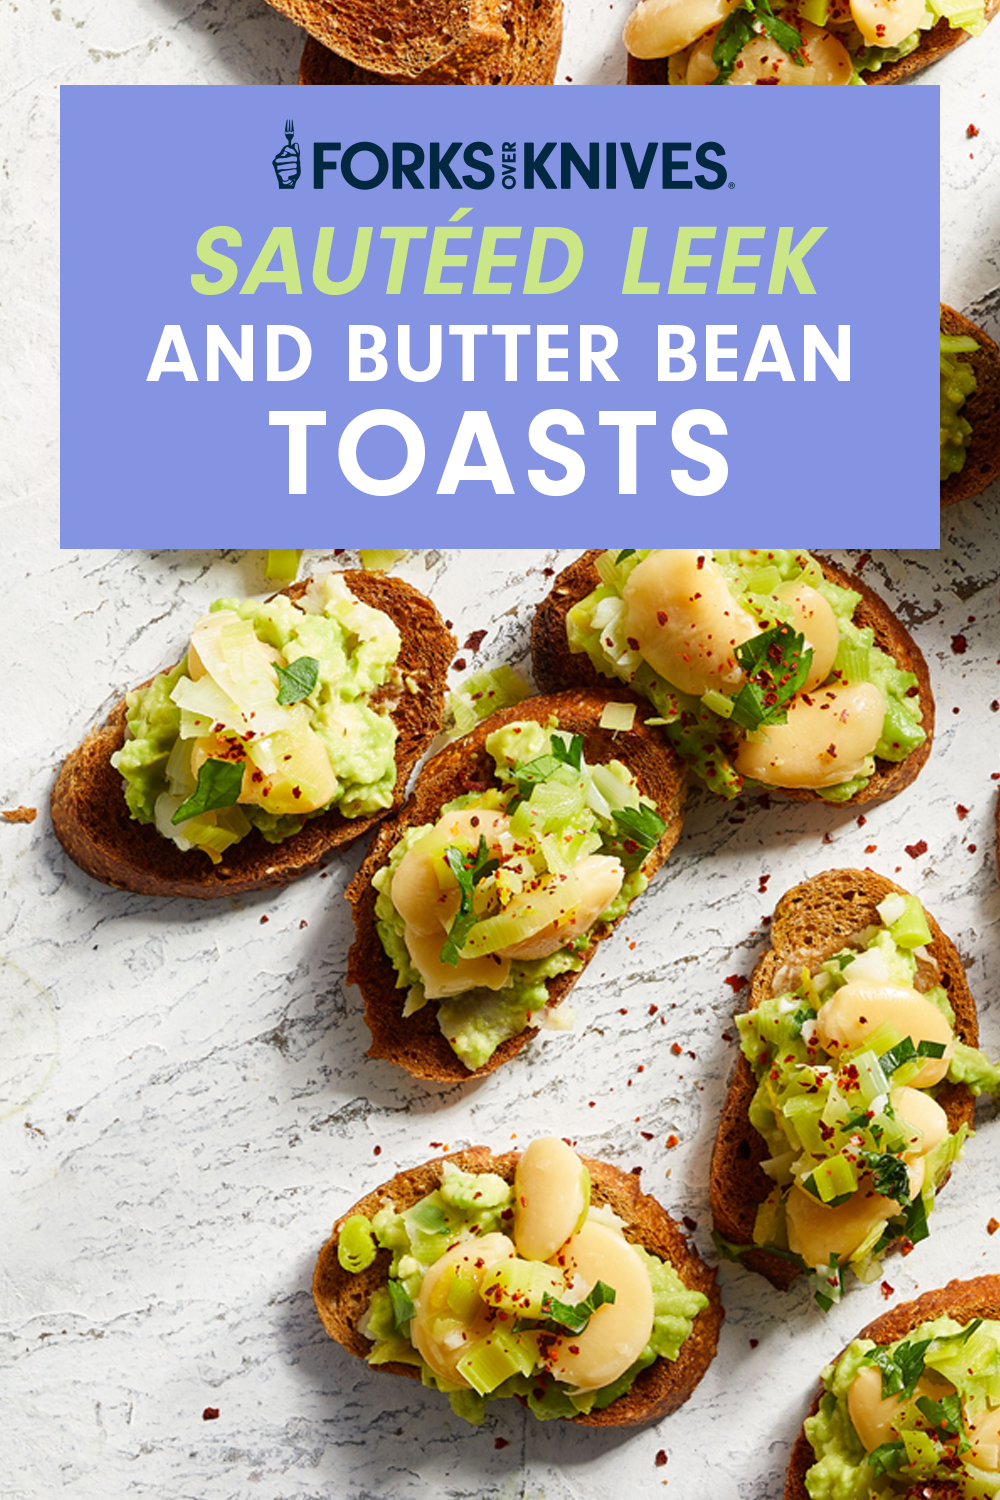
(287, 164)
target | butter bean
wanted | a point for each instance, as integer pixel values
(849, 1017)
(550, 1197)
(827, 739)
(659, 28)
(619, 1331)
(439, 1336)
(825, 59)
(679, 609)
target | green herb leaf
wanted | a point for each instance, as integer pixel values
(741, 26)
(219, 783)
(468, 870)
(777, 665)
(786, 36)
(625, 552)
(945, 1416)
(571, 754)
(901, 1367)
(887, 1457)
(905, 1052)
(889, 1175)
(639, 831)
(915, 1226)
(573, 1317)
(402, 1304)
(298, 679)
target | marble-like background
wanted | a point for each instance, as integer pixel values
(185, 1097)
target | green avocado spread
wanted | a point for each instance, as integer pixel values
(563, 856)
(958, 381)
(279, 712)
(508, 1353)
(714, 729)
(941, 1385)
(848, 1055)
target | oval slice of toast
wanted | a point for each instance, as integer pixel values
(93, 824)
(811, 922)
(416, 1042)
(342, 1297)
(556, 667)
(961, 1300)
(981, 410)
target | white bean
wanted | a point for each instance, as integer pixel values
(886, 23)
(550, 1197)
(825, 59)
(679, 609)
(659, 28)
(826, 739)
(618, 1331)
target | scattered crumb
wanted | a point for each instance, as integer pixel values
(972, 131)
(19, 814)
(887, 1290)
(963, 812)
(959, 645)
(474, 640)
(672, 1141)
(993, 1226)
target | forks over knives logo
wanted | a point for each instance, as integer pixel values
(288, 164)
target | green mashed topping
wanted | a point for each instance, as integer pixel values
(930, 1441)
(561, 811)
(330, 656)
(829, 1121)
(469, 1206)
(703, 730)
(958, 381)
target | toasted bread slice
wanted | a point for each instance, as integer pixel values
(961, 1300)
(933, 45)
(555, 666)
(529, 53)
(93, 824)
(402, 40)
(811, 921)
(982, 410)
(416, 1042)
(342, 1297)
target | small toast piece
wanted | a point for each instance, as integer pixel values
(402, 40)
(416, 1042)
(961, 1300)
(92, 821)
(981, 409)
(556, 666)
(342, 1297)
(934, 44)
(811, 921)
(529, 53)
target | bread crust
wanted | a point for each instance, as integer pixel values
(529, 53)
(556, 666)
(811, 921)
(961, 1300)
(416, 1043)
(982, 409)
(341, 1298)
(402, 40)
(934, 44)
(92, 821)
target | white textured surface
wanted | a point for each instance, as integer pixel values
(209, 1108)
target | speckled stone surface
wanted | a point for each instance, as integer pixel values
(185, 1097)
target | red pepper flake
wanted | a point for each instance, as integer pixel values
(763, 883)
(993, 1226)
(862, 561)
(377, 1151)
(623, 1011)
(501, 1442)
(915, 850)
(956, 710)
(727, 1036)
(828, 838)
(689, 1223)
(972, 131)
(963, 812)
(303, 923)
(676, 1049)
(264, 919)
(653, 1009)
(210, 1414)
(736, 982)
(905, 1246)
(871, 848)
(660, 1459)
(474, 640)
(861, 820)
(459, 664)
(887, 1290)
(548, 572)
(592, 1104)
(973, 848)
(959, 645)
(995, 706)
(754, 1343)
(672, 1141)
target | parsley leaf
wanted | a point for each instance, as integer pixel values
(639, 831)
(905, 1052)
(945, 1416)
(889, 1175)
(916, 1220)
(402, 1304)
(901, 1367)
(777, 664)
(571, 754)
(625, 552)
(297, 680)
(741, 26)
(219, 783)
(887, 1457)
(572, 1317)
(468, 870)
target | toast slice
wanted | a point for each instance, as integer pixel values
(402, 40)
(93, 824)
(961, 1300)
(342, 1297)
(529, 53)
(555, 666)
(812, 921)
(934, 44)
(982, 410)
(416, 1042)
